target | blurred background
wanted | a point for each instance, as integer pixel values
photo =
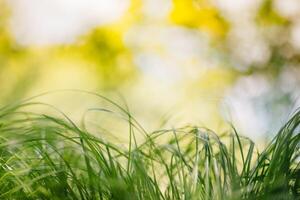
(175, 62)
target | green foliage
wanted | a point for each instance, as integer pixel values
(50, 157)
(104, 48)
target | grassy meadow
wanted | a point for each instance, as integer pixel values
(46, 156)
(198, 100)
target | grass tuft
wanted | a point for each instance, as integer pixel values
(49, 157)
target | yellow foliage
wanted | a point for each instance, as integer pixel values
(200, 15)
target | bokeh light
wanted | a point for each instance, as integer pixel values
(207, 62)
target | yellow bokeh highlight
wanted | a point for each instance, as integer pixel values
(199, 14)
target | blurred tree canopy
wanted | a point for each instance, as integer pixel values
(202, 15)
(207, 46)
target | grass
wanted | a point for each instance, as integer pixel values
(51, 157)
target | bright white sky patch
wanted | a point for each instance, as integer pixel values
(43, 22)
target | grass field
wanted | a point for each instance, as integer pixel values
(51, 157)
